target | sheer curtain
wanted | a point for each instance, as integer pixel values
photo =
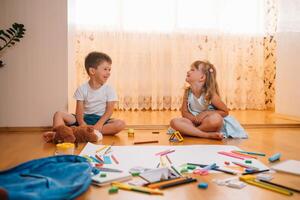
(152, 44)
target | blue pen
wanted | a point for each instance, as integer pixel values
(210, 167)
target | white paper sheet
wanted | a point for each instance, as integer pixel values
(144, 156)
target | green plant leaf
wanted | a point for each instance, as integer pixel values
(2, 38)
(13, 30)
(10, 32)
(16, 39)
(5, 34)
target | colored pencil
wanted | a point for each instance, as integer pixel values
(282, 186)
(252, 153)
(185, 181)
(145, 142)
(230, 155)
(101, 148)
(115, 159)
(168, 159)
(255, 172)
(244, 155)
(163, 152)
(160, 183)
(246, 166)
(136, 188)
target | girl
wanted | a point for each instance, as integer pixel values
(203, 112)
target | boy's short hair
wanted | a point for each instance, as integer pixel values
(94, 59)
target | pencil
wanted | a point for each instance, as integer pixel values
(244, 154)
(255, 172)
(252, 153)
(230, 155)
(185, 181)
(176, 171)
(101, 148)
(168, 159)
(282, 186)
(145, 142)
(115, 159)
(160, 183)
(246, 166)
(136, 188)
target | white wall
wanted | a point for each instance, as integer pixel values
(34, 81)
(287, 99)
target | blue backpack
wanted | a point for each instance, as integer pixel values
(56, 177)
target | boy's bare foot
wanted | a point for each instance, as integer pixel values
(48, 136)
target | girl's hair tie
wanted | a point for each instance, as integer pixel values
(211, 70)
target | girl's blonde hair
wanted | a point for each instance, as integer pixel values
(211, 86)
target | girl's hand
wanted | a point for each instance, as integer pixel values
(201, 116)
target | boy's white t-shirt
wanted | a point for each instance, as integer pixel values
(95, 100)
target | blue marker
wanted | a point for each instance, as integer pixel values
(275, 157)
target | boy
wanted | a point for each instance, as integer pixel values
(95, 100)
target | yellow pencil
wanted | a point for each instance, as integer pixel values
(250, 179)
(136, 188)
(101, 148)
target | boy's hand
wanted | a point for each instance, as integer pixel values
(98, 127)
(82, 123)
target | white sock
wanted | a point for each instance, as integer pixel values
(99, 134)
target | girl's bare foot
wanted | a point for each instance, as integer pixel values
(48, 136)
(215, 135)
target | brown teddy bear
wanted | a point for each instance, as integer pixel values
(74, 134)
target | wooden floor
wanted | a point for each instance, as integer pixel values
(249, 118)
(18, 147)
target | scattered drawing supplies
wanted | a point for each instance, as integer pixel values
(110, 177)
(215, 169)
